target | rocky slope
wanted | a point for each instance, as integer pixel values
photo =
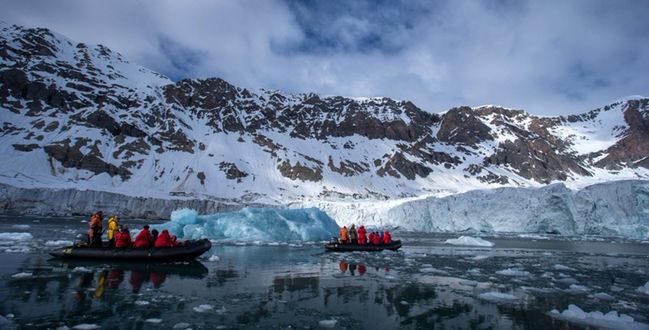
(76, 116)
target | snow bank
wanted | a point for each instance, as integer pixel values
(611, 320)
(16, 237)
(468, 240)
(264, 224)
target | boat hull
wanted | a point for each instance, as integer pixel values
(338, 247)
(190, 250)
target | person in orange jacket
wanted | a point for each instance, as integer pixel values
(94, 233)
(144, 238)
(343, 235)
(361, 235)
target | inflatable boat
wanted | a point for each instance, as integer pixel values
(189, 250)
(340, 247)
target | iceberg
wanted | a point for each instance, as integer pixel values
(469, 241)
(253, 224)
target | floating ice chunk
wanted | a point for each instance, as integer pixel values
(181, 325)
(58, 243)
(468, 283)
(615, 288)
(561, 267)
(432, 270)
(203, 308)
(578, 288)
(603, 296)
(16, 236)
(403, 302)
(495, 296)
(513, 272)
(21, 275)
(480, 257)
(469, 241)
(81, 270)
(328, 323)
(221, 310)
(214, 258)
(21, 226)
(85, 326)
(253, 224)
(611, 320)
(153, 320)
(141, 302)
(644, 289)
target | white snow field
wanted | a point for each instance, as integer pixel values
(263, 224)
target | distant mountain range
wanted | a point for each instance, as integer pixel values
(79, 116)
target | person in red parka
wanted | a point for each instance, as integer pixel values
(376, 240)
(144, 238)
(387, 238)
(361, 235)
(164, 240)
(123, 238)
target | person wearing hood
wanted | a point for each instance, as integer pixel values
(113, 224)
(343, 235)
(353, 235)
(361, 235)
(123, 238)
(144, 238)
(164, 240)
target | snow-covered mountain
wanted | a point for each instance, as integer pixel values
(81, 116)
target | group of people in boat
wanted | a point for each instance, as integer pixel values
(119, 236)
(361, 237)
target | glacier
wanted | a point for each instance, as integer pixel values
(264, 224)
(612, 208)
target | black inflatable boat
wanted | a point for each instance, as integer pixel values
(339, 247)
(189, 250)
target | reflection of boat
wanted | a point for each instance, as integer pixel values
(192, 268)
(189, 250)
(339, 247)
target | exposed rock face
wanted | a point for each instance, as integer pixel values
(72, 108)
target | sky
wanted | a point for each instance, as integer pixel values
(547, 57)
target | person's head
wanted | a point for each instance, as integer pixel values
(166, 232)
(125, 229)
(353, 225)
(146, 227)
(120, 228)
(345, 227)
(100, 213)
(154, 232)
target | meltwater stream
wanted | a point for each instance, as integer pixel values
(530, 282)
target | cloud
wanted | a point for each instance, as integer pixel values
(548, 57)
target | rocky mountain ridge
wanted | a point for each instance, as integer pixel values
(83, 117)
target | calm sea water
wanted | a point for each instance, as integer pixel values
(425, 285)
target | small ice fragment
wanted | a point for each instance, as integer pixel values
(403, 302)
(221, 310)
(470, 241)
(58, 243)
(644, 289)
(603, 296)
(328, 323)
(81, 270)
(203, 308)
(495, 296)
(468, 283)
(15, 236)
(513, 272)
(578, 288)
(480, 257)
(562, 267)
(615, 288)
(21, 275)
(141, 302)
(214, 258)
(181, 325)
(10, 316)
(20, 226)
(85, 326)
(153, 320)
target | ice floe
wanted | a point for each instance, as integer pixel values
(603, 296)
(513, 272)
(153, 320)
(612, 319)
(495, 296)
(213, 258)
(644, 288)
(141, 302)
(203, 308)
(16, 236)
(86, 326)
(469, 241)
(328, 323)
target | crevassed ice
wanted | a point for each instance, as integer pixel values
(265, 224)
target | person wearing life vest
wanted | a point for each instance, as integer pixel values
(361, 235)
(94, 233)
(143, 239)
(387, 238)
(113, 224)
(353, 235)
(343, 235)
(123, 238)
(164, 240)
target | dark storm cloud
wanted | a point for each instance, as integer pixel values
(547, 57)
